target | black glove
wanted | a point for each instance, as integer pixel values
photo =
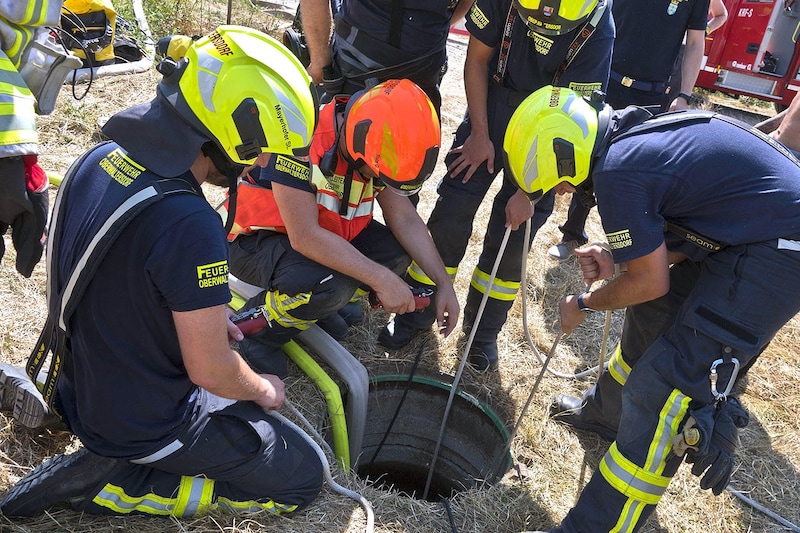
(23, 207)
(719, 437)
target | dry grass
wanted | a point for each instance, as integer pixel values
(558, 462)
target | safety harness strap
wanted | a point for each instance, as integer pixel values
(62, 304)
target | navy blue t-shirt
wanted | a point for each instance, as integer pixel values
(125, 390)
(534, 59)
(650, 33)
(425, 23)
(714, 178)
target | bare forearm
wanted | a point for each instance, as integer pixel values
(692, 59)
(317, 26)
(476, 87)
(416, 240)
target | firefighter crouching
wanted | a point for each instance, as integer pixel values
(171, 419)
(304, 230)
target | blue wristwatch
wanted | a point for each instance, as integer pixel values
(582, 306)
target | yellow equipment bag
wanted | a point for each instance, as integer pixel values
(91, 25)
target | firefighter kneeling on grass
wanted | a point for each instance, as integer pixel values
(171, 419)
(304, 231)
(697, 315)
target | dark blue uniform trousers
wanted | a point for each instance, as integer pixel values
(730, 305)
(451, 224)
(236, 459)
(299, 291)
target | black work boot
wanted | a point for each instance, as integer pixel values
(483, 357)
(60, 479)
(19, 395)
(570, 410)
(264, 358)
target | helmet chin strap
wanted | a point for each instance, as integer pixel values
(230, 170)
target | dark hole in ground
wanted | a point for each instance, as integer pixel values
(473, 440)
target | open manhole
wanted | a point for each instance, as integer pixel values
(474, 439)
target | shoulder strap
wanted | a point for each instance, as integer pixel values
(62, 304)
(505, 45)
(580, 39)
(680, 117)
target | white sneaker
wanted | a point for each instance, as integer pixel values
(563, 250)
(19, 395)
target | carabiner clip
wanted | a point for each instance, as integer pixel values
(719, 396)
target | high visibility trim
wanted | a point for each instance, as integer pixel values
(332, 203)
(500, 290)
(114, 498)
(279, 306)
(670, 417)
(416, 273)
(11, 78)
(169, 449)
(629, 517)
(253, 506)
(195, 496)
(144, 194)
(618, 368)
(23, 37)
(631, 480)
(208, 68)
(16, 126)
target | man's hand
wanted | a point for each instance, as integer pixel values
(234, 333)
(571, 315)
(275, 392)
(447, 309)
(519, 208)
(395, 295)
(596, 263)
(470, 155)
(315, 69)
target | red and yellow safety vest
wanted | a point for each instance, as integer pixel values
(347, 217)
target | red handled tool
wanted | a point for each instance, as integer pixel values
(251, 321)
(422, 298)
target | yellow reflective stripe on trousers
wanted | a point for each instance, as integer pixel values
(279, 305)
(253, 506)
(195, 496)
(617, 367)
(417, 274)
(631, 480)
(500, 289)
(669, 419)
(644, 485)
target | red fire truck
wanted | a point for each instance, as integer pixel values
(755, 53)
